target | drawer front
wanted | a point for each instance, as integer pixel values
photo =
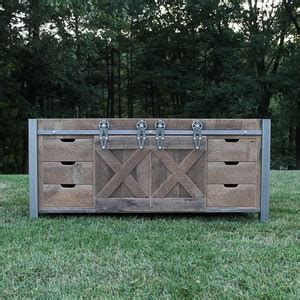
(241, 195)
(68, 172)
(232, 149)
(71, 196)
(231, 172)
(67, 149)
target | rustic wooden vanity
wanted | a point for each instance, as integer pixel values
(149, 166)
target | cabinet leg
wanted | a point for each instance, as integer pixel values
(264, 216)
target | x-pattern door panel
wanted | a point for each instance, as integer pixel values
(174, 175)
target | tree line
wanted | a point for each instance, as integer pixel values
(139, 58)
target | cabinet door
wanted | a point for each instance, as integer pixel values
(170, 179)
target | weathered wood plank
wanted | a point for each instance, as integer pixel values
(166, 187)
(178, 142)
(242, 195)
(62, 173)
(232, 149)
(159, 173)
(197, 172)
(121, 142)
(142, 174)
(171, 124)
(241, 172)
(122, 205)
(68, 149)
(77, 196)
(177, 205)
(130, 142)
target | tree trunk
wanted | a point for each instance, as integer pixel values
(128, 85)
(263, 107)
(152, 98)
(107, 82)
(131, 71)
(112, 83)
(291, 140)
(119, 86)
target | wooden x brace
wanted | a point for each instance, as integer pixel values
(122, 173)
(178, 173)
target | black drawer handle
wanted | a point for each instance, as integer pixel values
(68, 186)
(230, 185)
(231, 163)
(231, 140)
(67, 140)
(68, 163)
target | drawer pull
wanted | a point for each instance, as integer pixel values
(67, 140)
(68, 186)
(230, 185)
(231, 163)
(68, 163)
(231, 140)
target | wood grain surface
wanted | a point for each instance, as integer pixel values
(68, 149)
(65, 173)
(241, 196)
(232, 149)
(77, 196)
(224, 172)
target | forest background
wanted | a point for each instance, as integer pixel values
(147, 58)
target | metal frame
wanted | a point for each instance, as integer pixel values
(265, 132)
(33, 168)
(208, 132)
(265, 169)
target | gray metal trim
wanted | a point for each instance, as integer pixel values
(33, 168)
(265, 170)
(208, 132)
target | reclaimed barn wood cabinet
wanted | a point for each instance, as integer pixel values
(149, 166)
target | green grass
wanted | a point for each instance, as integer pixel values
(207, 256)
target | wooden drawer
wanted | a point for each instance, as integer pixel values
(68, 196)
(68, 172)
(241, 195)
(67, 149)
(231, 172)
(232, 149)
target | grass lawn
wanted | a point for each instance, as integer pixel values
(207, 256)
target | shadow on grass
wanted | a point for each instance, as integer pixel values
(211, 217)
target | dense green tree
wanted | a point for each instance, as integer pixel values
(136, 58)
